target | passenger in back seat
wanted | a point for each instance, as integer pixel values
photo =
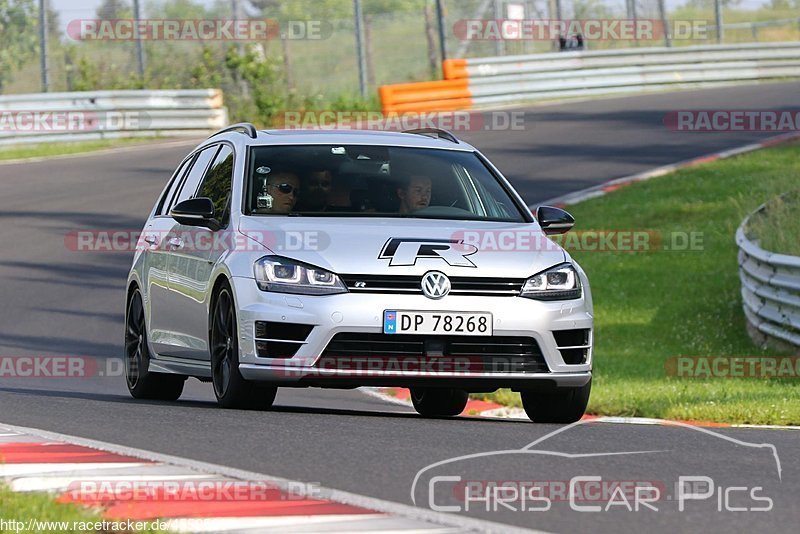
(317, 186)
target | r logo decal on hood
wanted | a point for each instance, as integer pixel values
(404, 252)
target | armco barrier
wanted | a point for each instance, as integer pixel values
(109, 114)
(510, 79)
(770, 288)
(443, 95)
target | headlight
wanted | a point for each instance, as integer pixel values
(283, 275)
(557, 283)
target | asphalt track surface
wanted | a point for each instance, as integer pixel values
(54, 301)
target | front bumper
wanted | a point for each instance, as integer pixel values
(363, 313)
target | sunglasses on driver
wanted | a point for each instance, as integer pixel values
(286, 189)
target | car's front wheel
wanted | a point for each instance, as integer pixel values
(562, 405)
(439, 402)
(142, 383)
(230, 387)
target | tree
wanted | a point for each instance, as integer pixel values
(705, 4)
(114, 10)
(329, 10)
(18, 36)
(591, 9)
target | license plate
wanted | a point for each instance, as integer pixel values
(439, 323)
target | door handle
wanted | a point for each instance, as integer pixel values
(176, 242)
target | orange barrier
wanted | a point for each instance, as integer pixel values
(440, 95)
(455, 69)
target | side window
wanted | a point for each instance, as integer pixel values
(195, 174)
(217, 184)
(163, 203)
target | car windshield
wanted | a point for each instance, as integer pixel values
(375, 181)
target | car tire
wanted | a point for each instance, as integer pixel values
(563, 405)
(230, 387)
(143, 384)
(439, 402)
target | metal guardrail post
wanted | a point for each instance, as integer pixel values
(362, 63)
(139, 46)
(662, 13)
(718, 21)
(43, 63)
(442, 32)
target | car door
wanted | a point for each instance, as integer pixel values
(170, 338)
(193, 262)
(155, 278)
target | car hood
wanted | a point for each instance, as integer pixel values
(408, 246)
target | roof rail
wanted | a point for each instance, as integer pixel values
(245, 128)
(438, 132)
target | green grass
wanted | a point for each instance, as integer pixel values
(59, 149)
(650, 306)
(42, 507)
(777, 229)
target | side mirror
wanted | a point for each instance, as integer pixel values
(554, 220)
(195, 212)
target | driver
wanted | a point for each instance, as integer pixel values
(283, 187)
(415, 194)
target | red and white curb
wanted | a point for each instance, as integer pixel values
(33, 460)
(618, 183)
(479, 408)
(474, 408)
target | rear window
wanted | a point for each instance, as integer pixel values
(375, 181)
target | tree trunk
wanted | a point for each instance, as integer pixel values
(430, 33)
(287, 64)
(370, 51)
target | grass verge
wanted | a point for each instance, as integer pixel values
(42, 514)
(654, 305)
(777, 228)
(45, 150)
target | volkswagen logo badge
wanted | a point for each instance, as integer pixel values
(435, 285)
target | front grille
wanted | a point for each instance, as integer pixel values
(468, 354)
(460, 285)
(280, 340)
(573, 344)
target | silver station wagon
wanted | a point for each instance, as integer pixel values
(342, 259)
